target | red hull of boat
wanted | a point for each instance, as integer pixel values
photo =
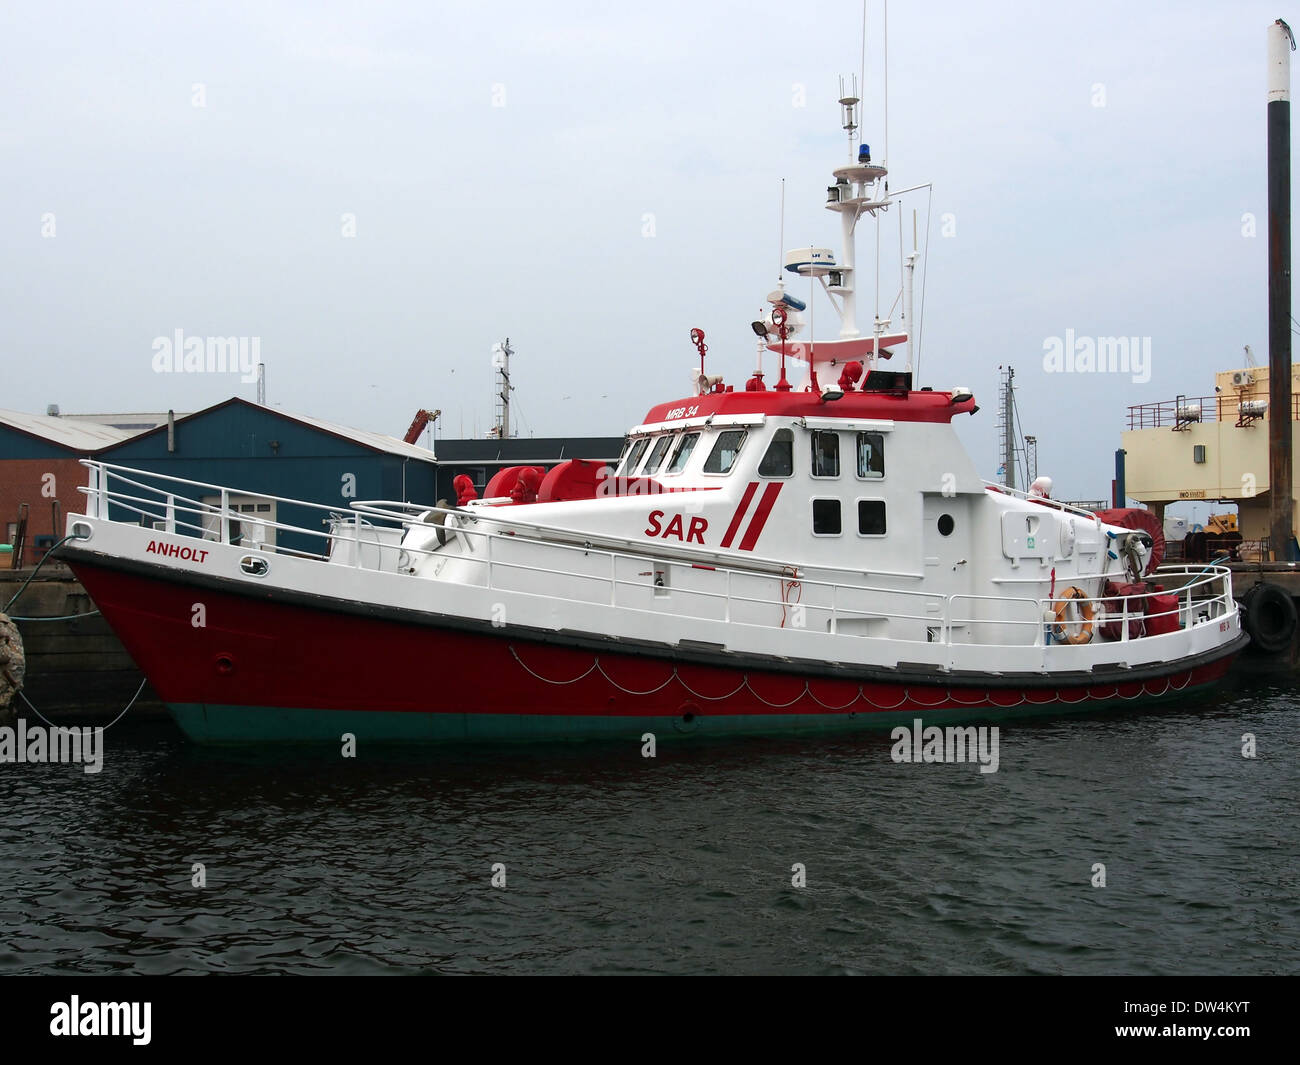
(257, 653)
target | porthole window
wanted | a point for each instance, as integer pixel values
(826, 517)
(871, 517)
(779, 458)
(724, 453)
(825, 453)
(946, 525)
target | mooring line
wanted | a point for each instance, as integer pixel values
(23, 695)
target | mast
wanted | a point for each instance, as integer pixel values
(1007, 426)
(848, 220)
(1281, 44)
(860, 189)
(501, 360)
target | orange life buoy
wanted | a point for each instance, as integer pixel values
(1077, 600)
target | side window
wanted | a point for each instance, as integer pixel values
(778, 461)
(723, 455)
(825, 453)
(657, 455)
(871, 455)
(826, 517)
(634, 456)
(871, 517)
(683, 453)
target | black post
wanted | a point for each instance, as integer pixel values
(1281, 44)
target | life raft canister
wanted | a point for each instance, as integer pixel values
(1073, 600)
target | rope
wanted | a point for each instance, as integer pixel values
(560, 683)
(23, 695)
(61, 617)
(744, 683)
(834, 709)
(788, 586)
(35, 570)
(947, 698)
(775, 706)
(629, 691)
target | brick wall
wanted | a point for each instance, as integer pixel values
(26, 481)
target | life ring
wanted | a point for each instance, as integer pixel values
(1076, 599)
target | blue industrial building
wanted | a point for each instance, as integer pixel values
(260, 452)
(265, 452)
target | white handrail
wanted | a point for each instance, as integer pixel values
(1198, 590)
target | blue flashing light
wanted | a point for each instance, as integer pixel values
(864, 153)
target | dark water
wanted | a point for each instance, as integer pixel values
(681, 864)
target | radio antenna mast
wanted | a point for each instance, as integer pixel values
(501, 361)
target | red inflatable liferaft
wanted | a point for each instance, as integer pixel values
(571, 479)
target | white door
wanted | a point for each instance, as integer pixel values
(248, 518)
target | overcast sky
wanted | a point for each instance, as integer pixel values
(199, 162)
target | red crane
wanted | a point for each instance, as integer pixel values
(422, 418)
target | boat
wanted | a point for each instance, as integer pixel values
(762, 557)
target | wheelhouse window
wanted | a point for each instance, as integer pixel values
(634, 456)
(778, 460)
(724, 453)
(871, 455)
(871, 517)
(825, 453)
(657, 455)
(826, 517)
(683, 453)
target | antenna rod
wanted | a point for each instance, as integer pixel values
(910, 277)
(862, 68)
(780, 252)
(885, 157)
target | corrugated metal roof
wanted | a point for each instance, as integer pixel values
(130, 421)
(376, 441)
(77, 436)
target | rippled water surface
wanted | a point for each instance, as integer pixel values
(615, 863)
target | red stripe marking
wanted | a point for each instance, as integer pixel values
(760, 516)
(739, 516)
